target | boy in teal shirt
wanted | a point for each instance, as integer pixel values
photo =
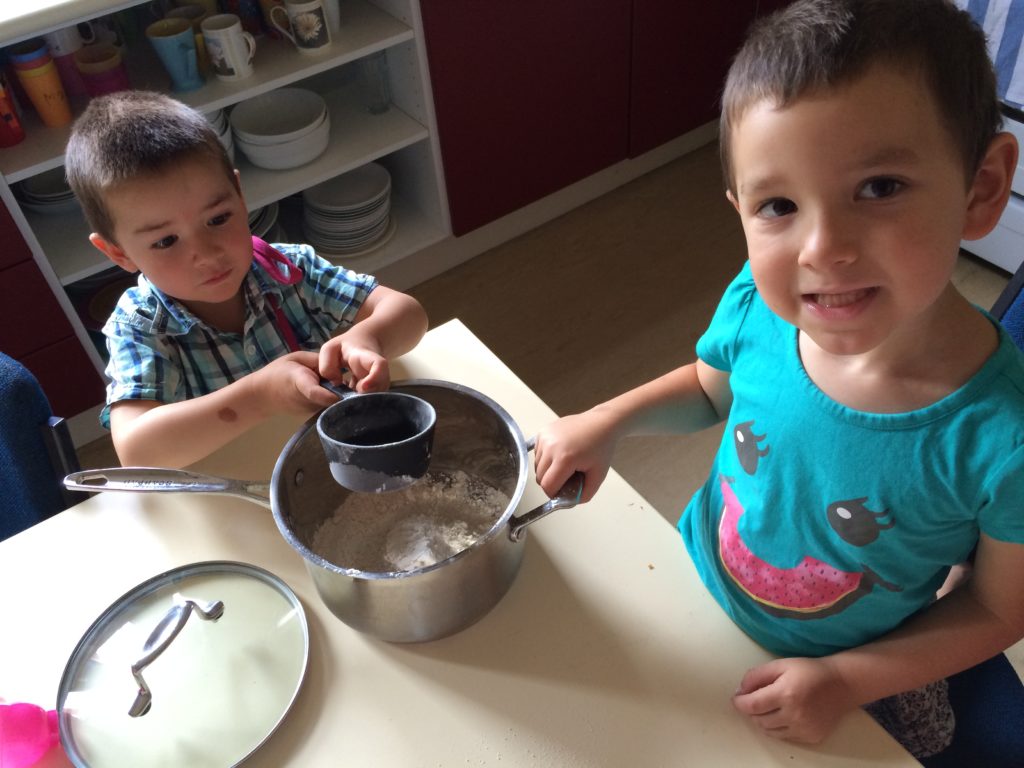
(873, 432)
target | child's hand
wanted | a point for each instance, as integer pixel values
(368, 368)
(291, 384)
(580, 443)
(794, 699)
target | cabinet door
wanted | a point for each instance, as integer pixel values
(530, 97)
(35, 331)
(13, 248)
(30, 317)
(681, 53)
(67, 377)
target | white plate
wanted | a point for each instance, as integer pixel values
(355, 189)
(363, 251)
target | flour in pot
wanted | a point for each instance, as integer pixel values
(415, 527)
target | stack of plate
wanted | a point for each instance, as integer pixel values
(263, 223)
(47, 192)
(219, 120)
(350, 214)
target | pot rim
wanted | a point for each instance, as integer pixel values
(499, 526)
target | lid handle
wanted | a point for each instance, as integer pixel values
(160, 639)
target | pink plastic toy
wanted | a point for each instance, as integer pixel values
(27, 732)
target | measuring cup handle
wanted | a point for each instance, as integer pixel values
(338, 389)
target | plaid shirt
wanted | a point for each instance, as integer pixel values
(160, 351)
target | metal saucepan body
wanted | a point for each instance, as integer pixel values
(472, 434)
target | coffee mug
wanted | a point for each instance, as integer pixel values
(194, 12)
(104, 33)
(175, 44)
(101, 68)
(229, 47)
(62, 42)
(307, 28)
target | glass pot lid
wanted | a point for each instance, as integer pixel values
(196, 666)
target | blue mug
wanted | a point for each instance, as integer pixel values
(174, 42)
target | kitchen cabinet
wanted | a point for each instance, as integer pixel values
(530, 98)
(533, 96)
(680, 55)
(35, 330)
(403, 139)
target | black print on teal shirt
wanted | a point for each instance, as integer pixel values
(746, 446)
(855, 523)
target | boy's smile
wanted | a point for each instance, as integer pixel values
(187, 229)
(853, 202)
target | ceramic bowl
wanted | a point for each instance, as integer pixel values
(278, 117)
(289, 154)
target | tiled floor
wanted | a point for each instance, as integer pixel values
(609, 296)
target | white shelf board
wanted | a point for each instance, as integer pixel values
(357, 137)
(365, 29)
(65, 238)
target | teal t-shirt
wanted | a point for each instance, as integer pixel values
(821, 527)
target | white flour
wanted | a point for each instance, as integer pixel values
(425, 523)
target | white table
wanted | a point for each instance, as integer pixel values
(607, 650)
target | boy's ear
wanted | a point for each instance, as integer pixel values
(990, 189)
(112, 252)
(732, 199)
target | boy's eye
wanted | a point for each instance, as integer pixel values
(219, 220)
(165, 242)
(876, 189)
(776, 207)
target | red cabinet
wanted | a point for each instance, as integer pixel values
(35, 331)
(535, 95)
(681, 52)
(530, 97)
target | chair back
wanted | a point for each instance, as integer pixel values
(1009, 307)
(35, 452)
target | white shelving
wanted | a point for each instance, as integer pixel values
(403, 138)
(365, 29)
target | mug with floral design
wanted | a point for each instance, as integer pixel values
(306, 26)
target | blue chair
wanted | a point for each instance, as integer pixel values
(36, 452)
(1009, 307)
(988, 700)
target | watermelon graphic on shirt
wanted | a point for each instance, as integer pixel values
(810, 590)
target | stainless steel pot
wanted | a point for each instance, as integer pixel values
(473, 434)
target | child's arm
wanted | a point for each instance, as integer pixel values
(687, 399)
(803, 699)
(149, 433)
(389, 324)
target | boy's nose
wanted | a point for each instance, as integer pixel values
(206, 247)
(830, 240)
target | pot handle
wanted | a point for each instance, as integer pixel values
(160, 480)
(568, 496)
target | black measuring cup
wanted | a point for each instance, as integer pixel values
(376, 441)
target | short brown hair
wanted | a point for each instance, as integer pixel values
(122, 136)
(814, 44)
